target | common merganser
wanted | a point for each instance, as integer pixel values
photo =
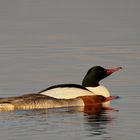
(39, 101)
(90, 85)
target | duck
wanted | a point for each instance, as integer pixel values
(90, 85)
(38, 101)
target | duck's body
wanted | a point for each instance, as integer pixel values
(70, 91)
(38, 101)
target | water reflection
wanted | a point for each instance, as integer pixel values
(89, 124)
(96, 125)
(91, 113)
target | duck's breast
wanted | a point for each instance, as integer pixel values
(99, 90)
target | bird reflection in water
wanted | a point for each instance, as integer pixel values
(96, 122)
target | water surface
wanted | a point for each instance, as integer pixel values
(43, 43)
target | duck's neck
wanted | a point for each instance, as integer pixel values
(90, 84)
(90, 81)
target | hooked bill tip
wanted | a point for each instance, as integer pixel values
(119, 67)
(112, 98)
(110, 71)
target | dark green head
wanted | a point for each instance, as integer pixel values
(95, 74)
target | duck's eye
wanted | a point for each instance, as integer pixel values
(100, 71)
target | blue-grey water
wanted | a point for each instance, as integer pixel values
(48, 42)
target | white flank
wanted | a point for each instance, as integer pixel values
(66, 92)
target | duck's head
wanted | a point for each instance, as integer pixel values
(97, 73)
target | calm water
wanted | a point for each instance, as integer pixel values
(46, 42)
